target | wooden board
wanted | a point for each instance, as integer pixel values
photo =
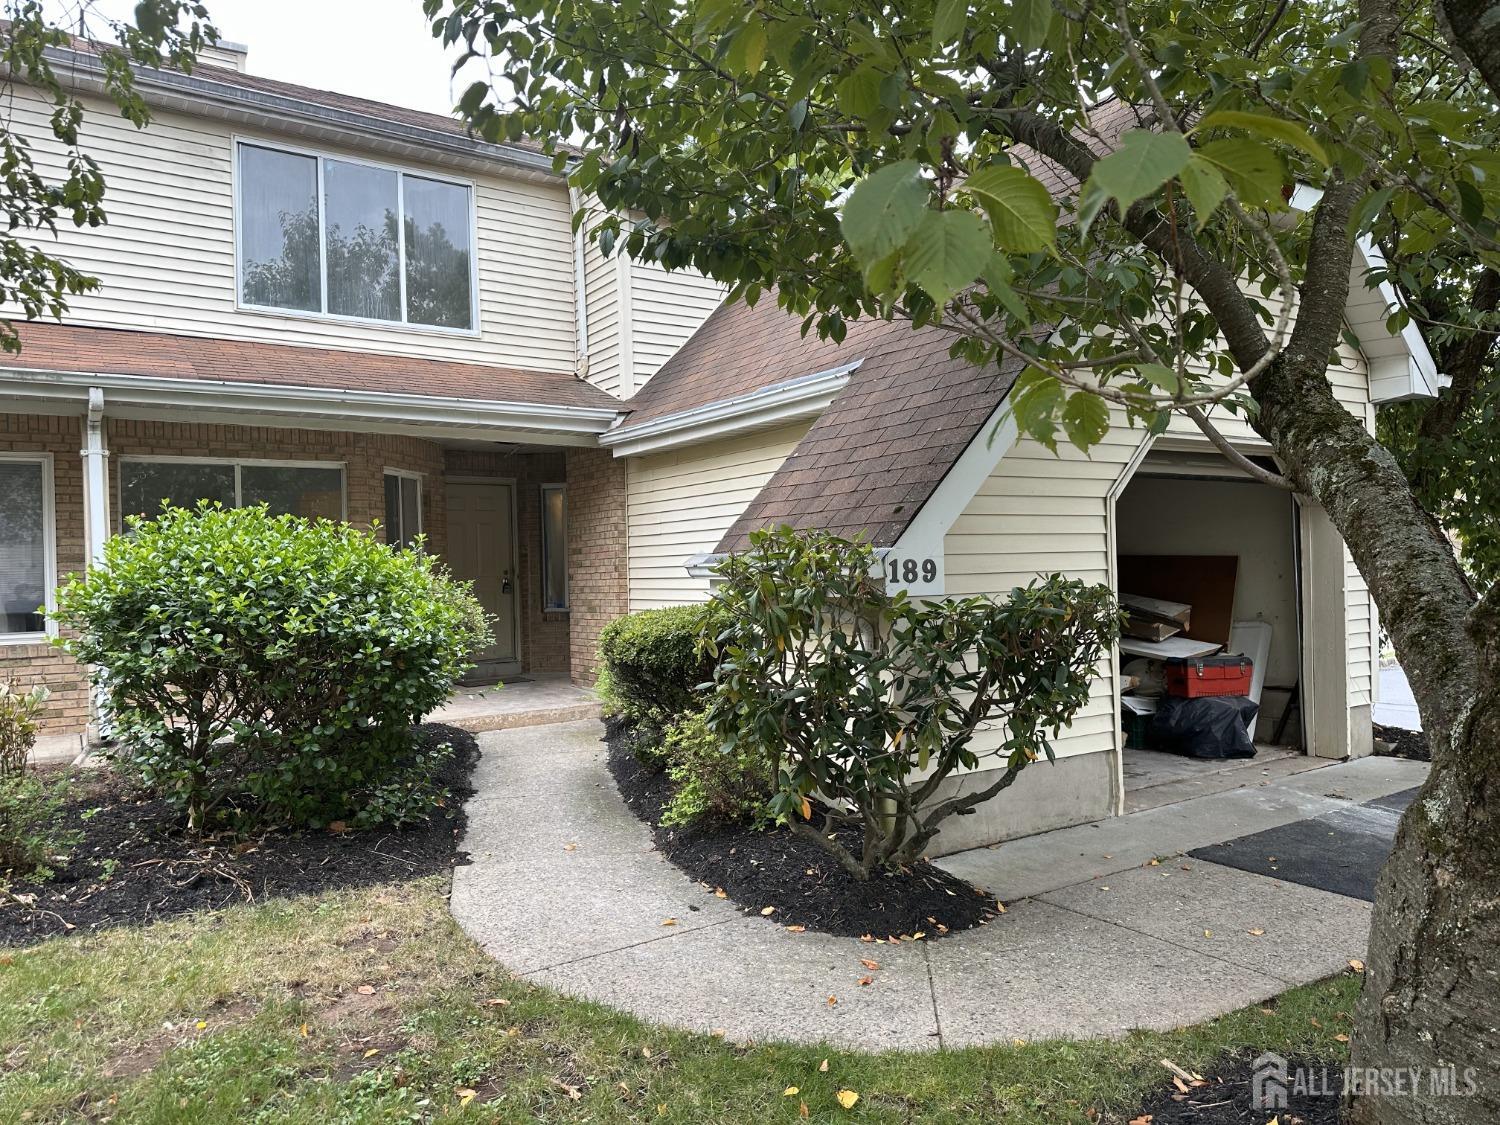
(1205, 582)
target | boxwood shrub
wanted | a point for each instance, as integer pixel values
(652, 666)
(266, 668)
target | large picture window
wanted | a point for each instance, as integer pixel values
(25, 546)
(310, 491)
(344, 238)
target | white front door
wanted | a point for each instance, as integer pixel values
(481, 550)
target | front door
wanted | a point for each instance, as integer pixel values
(481, 550)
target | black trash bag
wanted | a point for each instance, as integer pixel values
(1215, 726)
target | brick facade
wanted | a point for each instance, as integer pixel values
(545, 637)
(598, 571)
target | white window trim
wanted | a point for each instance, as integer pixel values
(407, 474)
(402, 171)
(567, 592)
(238, 463)
(49, 552)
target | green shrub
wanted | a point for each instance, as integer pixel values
(268, 668)
(31, 835)
(868, 702)
(18, 721)
(654, 664)
(711, 782)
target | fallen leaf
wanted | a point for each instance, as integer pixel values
(1341, 1038)
(1153, 863)
(717, 1032)
(372, 1052)
(303, 1030)
(1257, 932)
(669, 922)
(823, 1067)
(366, 990)
(847, 1098)
(575, 1093)
(867, 938)
(719, 892)
(999, 907)
(806, 809)
(337, 826)
(1143, 1119)
(796, 929)
(1180, 1084)
(466, 1095)
(767, 911)
(496, 1002)
(1018, 1042)
(867, 963)
(1357, 965)
(1208, 933)
(801, 1109)
(832, 1000)
(570, 847)
(790, 1092)
(866, 980)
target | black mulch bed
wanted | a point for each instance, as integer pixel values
(1225, 1098)
(137, 865)
(1405, 743)
(757, 869)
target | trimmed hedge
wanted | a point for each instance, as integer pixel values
(261, 668)
(653, 668)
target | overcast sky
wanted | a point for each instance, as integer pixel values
(377, 49)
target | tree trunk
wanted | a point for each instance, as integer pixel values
(1431, 996)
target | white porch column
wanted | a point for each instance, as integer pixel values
(95, 479)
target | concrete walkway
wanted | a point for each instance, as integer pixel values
(566, 889)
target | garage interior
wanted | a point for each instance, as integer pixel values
(1191, 530)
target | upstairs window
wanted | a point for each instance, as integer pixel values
(335, 237)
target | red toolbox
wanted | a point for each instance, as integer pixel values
(1209, 675)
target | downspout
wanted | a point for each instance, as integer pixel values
(95, 479)
(580, 286)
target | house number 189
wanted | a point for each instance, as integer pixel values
(909, 570)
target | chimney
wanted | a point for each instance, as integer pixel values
(229, 55)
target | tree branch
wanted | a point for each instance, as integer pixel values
(1466, 362)
(1233, 455)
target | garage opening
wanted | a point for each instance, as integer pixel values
(1207, 570)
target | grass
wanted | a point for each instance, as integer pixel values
(370, 1005)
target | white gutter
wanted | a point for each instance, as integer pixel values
(95, 479)
(320, 403)
(803, 397)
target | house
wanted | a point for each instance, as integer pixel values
(343, 309)
(580, 436)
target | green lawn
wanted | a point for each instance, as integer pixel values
(370, 1005)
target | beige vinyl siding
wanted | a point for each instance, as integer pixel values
(1037, 514)
(682, 501)
(666, 308)
(601, 289)
(166, 258)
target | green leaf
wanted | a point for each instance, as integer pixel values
(948, 22)
(747, 54)
(859, 92)
(1034, 401)
(1204, 186)
(1276, 128)
(947, 252)
(1159, 375)
(1022, 214)
(1144, 161)
(1254, 172)
(1031, 20)
(1085, 419)
(884, 209)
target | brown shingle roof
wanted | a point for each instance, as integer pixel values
(113, 351)
(874, 457)
(878, 452)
